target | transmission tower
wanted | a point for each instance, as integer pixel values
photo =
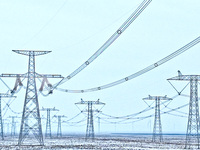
(48, 122)
(193, 127)
(90, 119)
(3, 95)
(4, 124)
(59, 131)
(99, 124)
(157, 129)
(13, 125)
(31, 105)
(8, 127)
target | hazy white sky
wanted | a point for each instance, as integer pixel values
(74, 29)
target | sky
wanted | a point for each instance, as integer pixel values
(74, 30)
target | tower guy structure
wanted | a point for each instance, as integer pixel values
(3, 95)
(193, 127)
(59, 130)
(31, 121)
(157, 129)
(90, 116)
(48, 122)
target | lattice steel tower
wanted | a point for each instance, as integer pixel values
(48, 122)
(3, 95)
(13, 125)
(90, 119)
(157, 129)
(31, 121)
(193, 127)
(59, 130)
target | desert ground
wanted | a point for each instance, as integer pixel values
(108, 141)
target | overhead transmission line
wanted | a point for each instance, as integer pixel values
(121, 29)
(5, 84)
(133, 116)
(147, 69)
(46, 24)
(136, 119)
(129, 117)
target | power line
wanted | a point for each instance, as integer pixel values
(46, 24)
(139, 73)
(121, 29)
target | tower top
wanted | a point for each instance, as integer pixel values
(185, 77)
(90, 102)
(31, 52)
(157, 97)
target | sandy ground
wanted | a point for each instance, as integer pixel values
(100, 142)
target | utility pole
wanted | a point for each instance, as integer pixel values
(31, 104)
(157, 129)
(193, 127)
(48, 122)
(3, 95)
(59, 131)
(90, 119)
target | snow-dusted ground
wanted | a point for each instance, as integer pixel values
(100, 142)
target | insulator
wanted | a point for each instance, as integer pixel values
(17, 82)
(45, 80)
(50, 92)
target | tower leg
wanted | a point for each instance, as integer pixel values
(192, 135)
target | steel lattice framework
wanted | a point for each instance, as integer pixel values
(90, 119)
(59, 130)
(192, 135)
(157, 129)
(31, 121)
(3, 95)
(48, 122)
(13, 126)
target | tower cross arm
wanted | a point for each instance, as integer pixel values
(86, 110)
(61, 116)
(6, 95)
(48, 75)
(36, 75)
(51, 109)
(157, 97)
(91, 102)
(185, 77)
(14, 75)
(31, 52)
